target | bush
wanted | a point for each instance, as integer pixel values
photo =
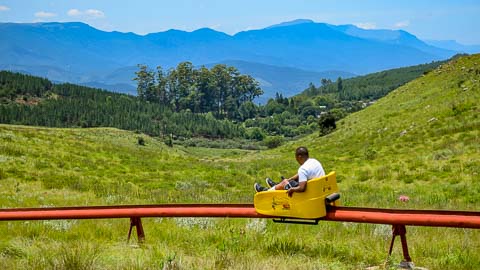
(310, 111)
(273, 141)
(169, 140)
(369, 153)
(255, 134)
(338, 113)
(327, 123)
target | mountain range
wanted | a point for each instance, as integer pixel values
(454, 46)
(284, 58)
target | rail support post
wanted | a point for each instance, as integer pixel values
(401, 231)
(136, 222)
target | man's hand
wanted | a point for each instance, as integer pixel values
(300, 188)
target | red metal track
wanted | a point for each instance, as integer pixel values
(128, 211)
(435, 218)
(431, 218)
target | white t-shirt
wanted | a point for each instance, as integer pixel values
(309, 170)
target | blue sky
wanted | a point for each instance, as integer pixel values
(428, 19)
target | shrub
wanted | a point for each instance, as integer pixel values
(255, 134)
(169, 141)
(273, 141)
(141, 141)
(369, 153)
(327, 123)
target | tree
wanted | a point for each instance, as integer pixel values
(251, 88)
(221, 83)
(145, 83)
(272, 107)
(310, 111)
(338, 113)
(327, 123)
(161, 88)
(247, 110)
(339, 84)
(325, 82)
(172, 86)
(205, 90)
(186, 86)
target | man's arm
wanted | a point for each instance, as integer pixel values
(300, 188)
(295, 177)
(285, 181)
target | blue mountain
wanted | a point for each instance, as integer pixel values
(276, 79)
(396, 37)
(454, 46)
(283, 56)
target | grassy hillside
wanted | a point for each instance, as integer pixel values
(422, 140)
(424, 135)
(108, 162)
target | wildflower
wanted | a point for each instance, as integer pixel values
(403, 198)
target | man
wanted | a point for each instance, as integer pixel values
(310, 168)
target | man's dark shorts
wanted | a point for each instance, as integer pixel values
(291, 183)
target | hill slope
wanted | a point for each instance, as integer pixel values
(424, 134)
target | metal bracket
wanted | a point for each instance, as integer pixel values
(297, 221)
(400, 230)
(136, 222)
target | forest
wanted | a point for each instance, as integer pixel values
(191, 105)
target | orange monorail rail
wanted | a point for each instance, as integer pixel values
(399, 218)
(432, 218)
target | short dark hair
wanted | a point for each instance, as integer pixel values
(301, 151)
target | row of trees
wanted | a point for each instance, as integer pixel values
(221, 90)
(372, 86)
(15, 84)
(69, 105)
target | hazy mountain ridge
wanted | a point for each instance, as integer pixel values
(275, 79)
(454, 46)
(79, 53)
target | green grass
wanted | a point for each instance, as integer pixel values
(422, 140)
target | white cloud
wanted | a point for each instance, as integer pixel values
(89, 13)
(366, 25)
(4, 8)
(95, 13)
(43, 14)
(74, 12)
(402, 24)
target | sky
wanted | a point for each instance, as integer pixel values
(427, 19)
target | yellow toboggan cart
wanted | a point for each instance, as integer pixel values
(310, 204)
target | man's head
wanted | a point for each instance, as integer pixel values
(301, 155)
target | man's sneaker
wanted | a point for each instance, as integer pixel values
(259, 188)
(270, 182)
